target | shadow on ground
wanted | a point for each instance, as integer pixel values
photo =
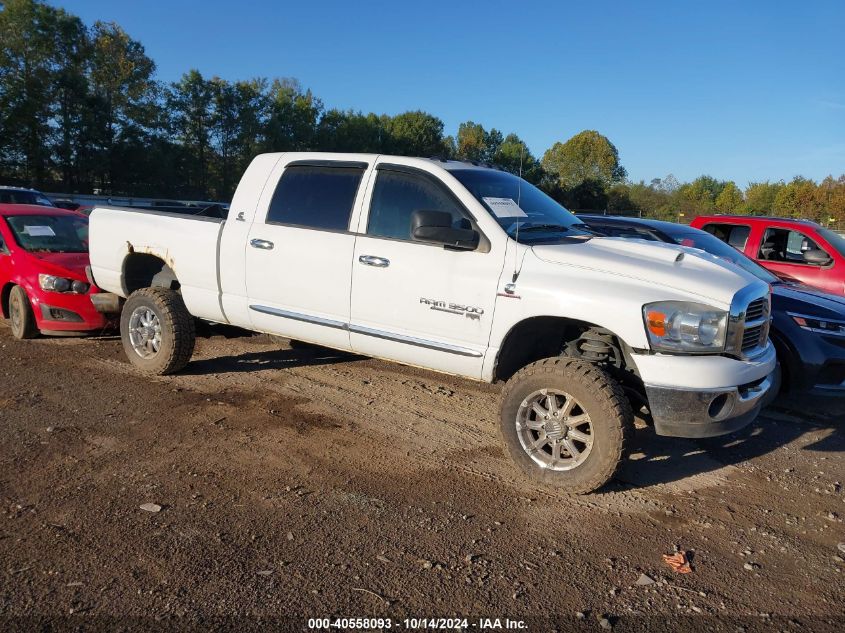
(659, 460)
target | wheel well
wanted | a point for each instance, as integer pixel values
(141, 270)
(543, 337)
(4, 299)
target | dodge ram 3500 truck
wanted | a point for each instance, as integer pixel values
(460, 269)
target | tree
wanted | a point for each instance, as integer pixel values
(350, 131)
(760, 197)
(699, 196)
(292, 117)
(125, 95)
(730, 199)
(798, 200)
(190, 102)
(27, 72)
(416, 133)
(513, 155)
(587, 156)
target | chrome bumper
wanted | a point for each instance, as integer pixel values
(706, 413)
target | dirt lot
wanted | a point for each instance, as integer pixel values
(308, 483)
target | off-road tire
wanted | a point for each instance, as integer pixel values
(21, 317)
(599, 395)
(178, 334)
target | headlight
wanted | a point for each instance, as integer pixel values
(52, 283)
(681, 326)
(821, 326)
(79, 287)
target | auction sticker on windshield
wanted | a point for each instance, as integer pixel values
(505, 208)
(39, 231)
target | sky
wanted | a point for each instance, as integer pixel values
(744, 91)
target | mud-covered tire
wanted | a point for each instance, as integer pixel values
(610, 422)
(21, 316)
(171, 320)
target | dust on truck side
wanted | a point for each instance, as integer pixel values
(460, 269)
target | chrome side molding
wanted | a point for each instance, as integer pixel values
(358, 329)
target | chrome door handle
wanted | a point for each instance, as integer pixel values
(265, 244)
(372, 260)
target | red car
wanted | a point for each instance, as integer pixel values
(798, 250)
(43, 283)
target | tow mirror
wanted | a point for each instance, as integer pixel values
(435, 227)
(817, 257)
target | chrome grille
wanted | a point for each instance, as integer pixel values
(751, 338)
(748, 329)
(756, 309)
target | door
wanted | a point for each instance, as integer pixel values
(782, 251)
(414, 302)
(299, 253)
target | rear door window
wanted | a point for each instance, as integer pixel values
(316, 197)
(734, 234)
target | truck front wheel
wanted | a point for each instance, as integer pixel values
(157, 331)
(566, 423)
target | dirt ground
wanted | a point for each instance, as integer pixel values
(299, 484)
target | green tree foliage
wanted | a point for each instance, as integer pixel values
(730, 199)
(29, 64)
(416, 133)
(587, 156)
(797, 199)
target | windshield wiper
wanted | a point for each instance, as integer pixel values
(544, 227)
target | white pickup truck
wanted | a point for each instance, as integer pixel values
(460, 269)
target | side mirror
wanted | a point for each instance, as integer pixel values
(436, 227)
(817, 257)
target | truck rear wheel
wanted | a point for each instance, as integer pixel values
(157, 331)
(21, 317)
(566, 423)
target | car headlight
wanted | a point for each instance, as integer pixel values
(53, 283)
(682, 326)
(820, 326)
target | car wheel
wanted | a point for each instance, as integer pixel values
(157, 331)
(566, 423)
(21, 317)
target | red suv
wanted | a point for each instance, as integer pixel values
(799, 250)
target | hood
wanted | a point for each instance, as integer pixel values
(685, 270)
(63, 263)
(797, 297)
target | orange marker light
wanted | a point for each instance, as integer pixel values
(657, 323)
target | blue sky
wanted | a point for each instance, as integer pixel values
(738, 90)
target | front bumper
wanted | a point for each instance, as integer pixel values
(706, 412)
(705, 396)
(66, 312)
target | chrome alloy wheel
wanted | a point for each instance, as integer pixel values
(554, 429)
(145, 332)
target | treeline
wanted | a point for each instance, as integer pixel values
(81, 111)
(823, 202)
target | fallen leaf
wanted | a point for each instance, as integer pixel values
(678, 562)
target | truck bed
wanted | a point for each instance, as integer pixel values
(188, 244)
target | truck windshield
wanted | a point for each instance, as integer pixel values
(519, 206)
(713, 245)
(50, 233)
(834, 239)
